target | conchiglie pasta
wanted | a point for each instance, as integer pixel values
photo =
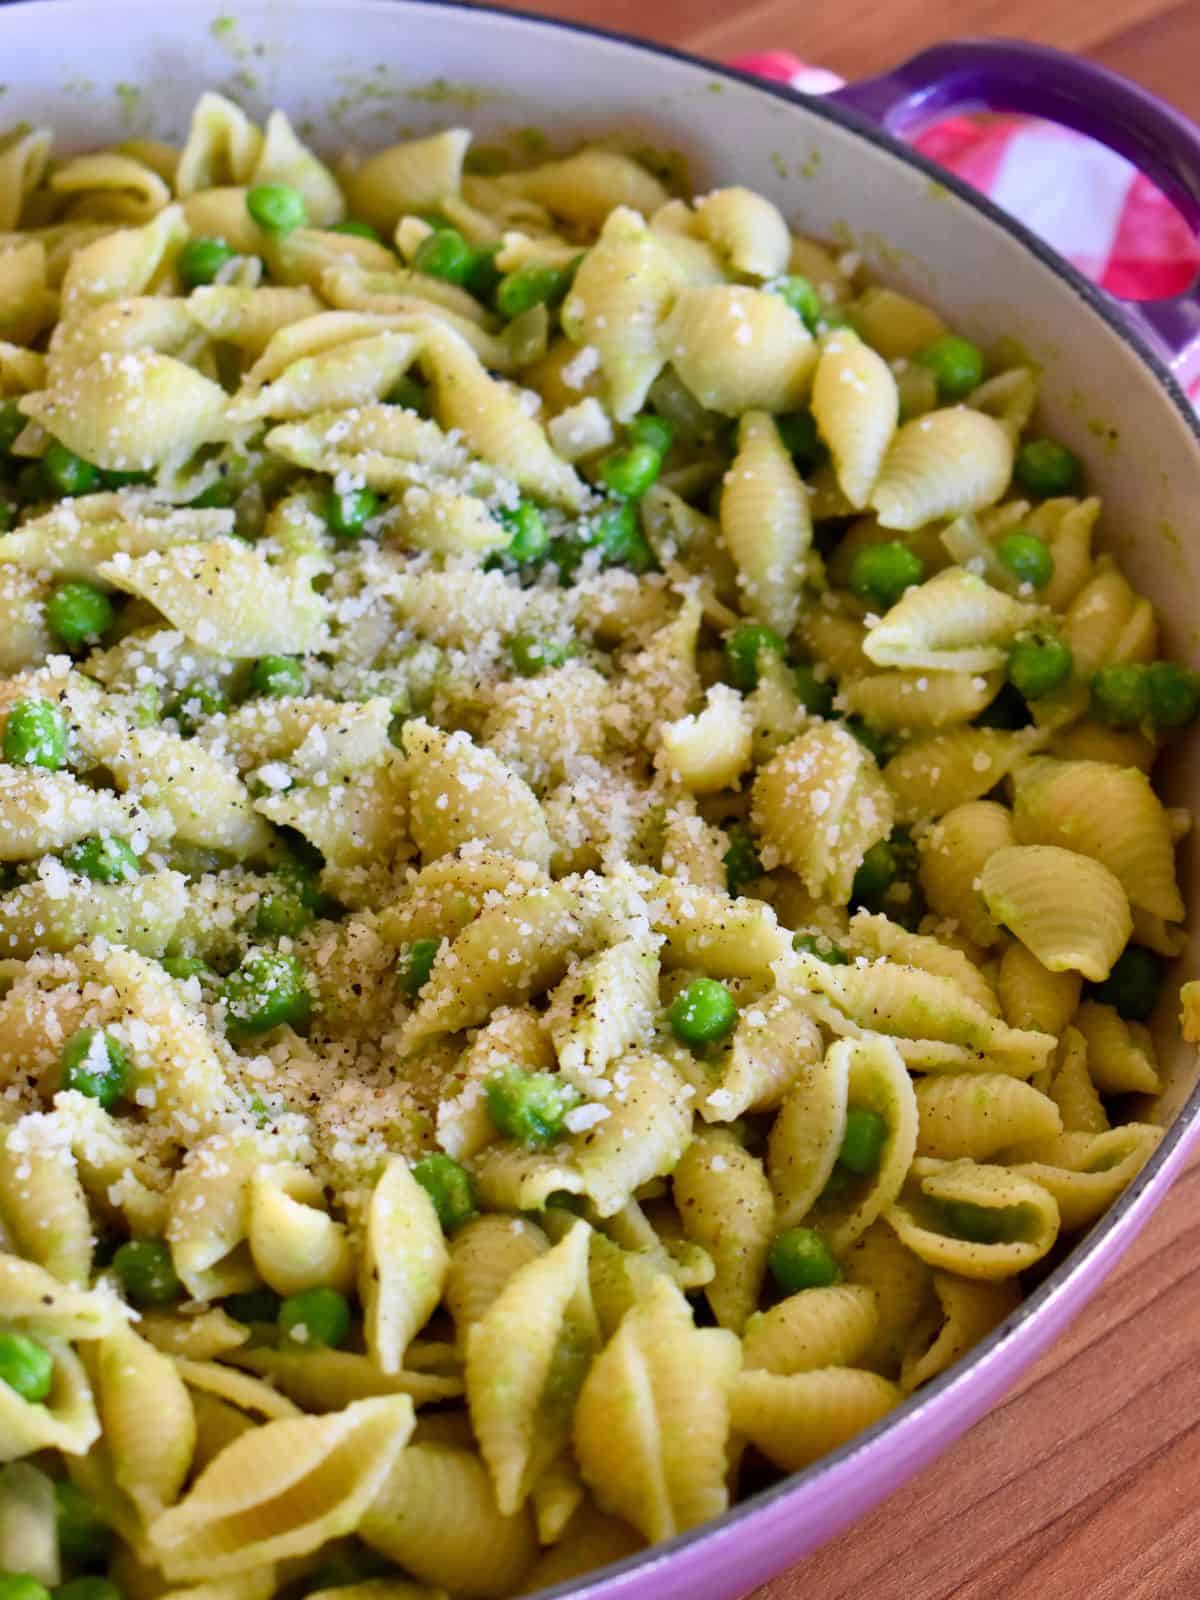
(820, 805)
(653, 1418)
(526, 1359)
(1109, 813)
(856, 406)
(944, 771)
(747, 229)
(1068, 910)
(954, 623)
(766, 524)
(403, 1265)
(623, 290)
(980, 1114)
(816, 1328)
(794, 1420)
(952, 855)
(974, 1220)
(726, 1205)
(281, 1490)
(436, 1516)
(739, 349)
(941, 465)
(966, 1313)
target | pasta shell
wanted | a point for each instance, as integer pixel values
(796, 1420)
(941, 465)
(282, 1490)
(1069, 910)
(816, 1328)
(856, 406)
(739, 349)
(1017, 1219)
(726, 1206)
(953, 623)
(766, 523)
(980, 1114)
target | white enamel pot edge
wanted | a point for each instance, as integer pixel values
(70, 62)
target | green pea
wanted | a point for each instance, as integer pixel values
(26, 1366)
(1121, 695)
(68, 473)
(219, 496)
(201, 259)
(88, 1588)
(819, 945)
(314, 1318)
(1027, 557)
(802, 296)
(1038, 666)
(184, 967)
(863, 1142)
(1133, 984)
(741, 861)
(267, 990)
(278, 677)
(78, 614)
(977, 1224)
(881, 573)
(956, 364)
(113, 478)
(650, 430)
(410, 393)
(146, 1272)
(254, 1305)
(877, 872)
(814, 692)
(743, 648)
(704, 1013)
(35, 735)
(1044, 467)
(800, 1259)
(529, 1107)
(615, 532)
(193, 704)
(1174, 694)
(483, 277)
(12, 425)
(281, 916)
(445, 254)
(415, 965)
(83, 1537)
(356, 229)
(95, 1065)
(20, 1586)
(630, 472)
(303, 879)
(449, 1186)
(532, 654)
(519, 291)
(530, 536)
(103, 858)
(348, 513)
(277, 207)
(798, 431)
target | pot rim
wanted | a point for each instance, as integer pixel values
(1058, 1283)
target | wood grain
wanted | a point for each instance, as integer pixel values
(1082, 1484)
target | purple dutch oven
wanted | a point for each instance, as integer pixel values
(367, 71)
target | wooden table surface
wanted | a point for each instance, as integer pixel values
(1084, 1484)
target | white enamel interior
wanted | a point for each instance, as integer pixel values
(360, 72)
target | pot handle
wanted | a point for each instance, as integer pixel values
(1007, 75)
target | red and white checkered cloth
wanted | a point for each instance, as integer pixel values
(1090, 205)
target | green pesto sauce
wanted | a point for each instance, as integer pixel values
(811, 165)
(441, 92)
